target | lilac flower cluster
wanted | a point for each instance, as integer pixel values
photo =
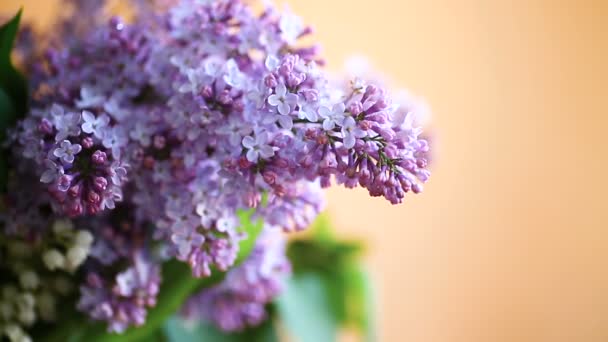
(166, 128)
(239, 300)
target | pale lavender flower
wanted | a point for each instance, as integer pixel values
(94, 125)
(258, 147)
(283, 100)
(332, 117)
(66, 151)
(351, 132)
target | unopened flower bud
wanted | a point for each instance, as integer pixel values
(61, 227)
(99, 157)
(76, 256)
(100, 184)
(29, 280)
(84, 238)
(87, 142)
(53, 259)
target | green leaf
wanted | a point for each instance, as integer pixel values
(304, 308)
(178, 330)
(12, 82)
(7, 111)
(178, 284)
(360, 301)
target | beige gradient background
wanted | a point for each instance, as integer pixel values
(509, 242)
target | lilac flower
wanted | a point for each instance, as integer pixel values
(94, 125)
(89, 98)
(53, 172)
(351, 132)
(291, 27)
(258, 147)
(332, 117)
(185, 241)
(194, 110)
(66, 151)
(141, 133)
(207, 214)
(239, 301)
(283, 100)
(234, 77)
(115, 139)
(65, 123)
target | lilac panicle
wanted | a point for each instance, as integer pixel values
(189, 113)
(239, 300)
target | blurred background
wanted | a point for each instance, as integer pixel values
(509, 241)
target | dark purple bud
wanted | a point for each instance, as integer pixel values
(100, 184)
(238, 106)
(325, 181)
(64, 182)
(74, 209)
(159, 142)
(244, 163)
(416, 188)
(225, 98)
(270, 177)
(74, 191)
(270, 81)
(310, 95)
(207, 92)
(355, 108)
(93, 198)
(149, 162)
(253, 199)
(45, 127)
(99, 157)
(87, 142)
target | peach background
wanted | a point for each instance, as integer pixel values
(509, 240)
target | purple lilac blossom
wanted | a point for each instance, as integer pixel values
(122, 279)
(239, 301)
(186, 115)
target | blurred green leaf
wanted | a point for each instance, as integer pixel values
(7, 111)
(11, 81)
(337, 264)
(360, 302)
(178, 330)
(305, 309)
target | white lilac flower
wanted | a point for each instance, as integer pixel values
(66, 151)
(75, 256)
(83, 238)
(29, 280)
(53, 259)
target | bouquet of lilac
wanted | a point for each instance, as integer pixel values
(194, 134)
